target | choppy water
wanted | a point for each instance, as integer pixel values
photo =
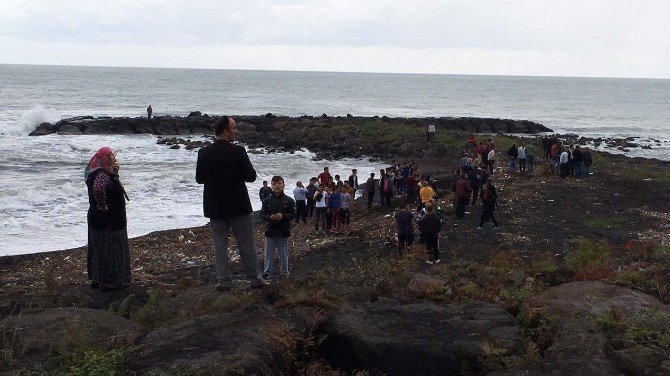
(42, 195)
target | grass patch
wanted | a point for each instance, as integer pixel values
(605, 223)
(591, 261)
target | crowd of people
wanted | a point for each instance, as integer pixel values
(327, 201)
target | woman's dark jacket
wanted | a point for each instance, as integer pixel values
(278, 204)
(223, 168)
(114, 218)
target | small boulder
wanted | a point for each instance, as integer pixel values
(590, 298)
(195, 114)
(422, 284)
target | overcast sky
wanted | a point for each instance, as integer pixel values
(599, 38)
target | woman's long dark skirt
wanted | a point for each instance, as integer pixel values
(108, 258)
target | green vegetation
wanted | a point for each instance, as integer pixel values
(605, 223)
(649, 326)
(590, 260)
(94, 363)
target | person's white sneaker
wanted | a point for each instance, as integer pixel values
(479, 228)
(430, 262)
(437, 261)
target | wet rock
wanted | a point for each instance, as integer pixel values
(69, 130)
(422, 338)
(195, 114)
(44, 129)
(175, 146)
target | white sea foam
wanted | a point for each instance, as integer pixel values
(43, 199)
(37, 115)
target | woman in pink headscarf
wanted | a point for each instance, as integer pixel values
(108, 256)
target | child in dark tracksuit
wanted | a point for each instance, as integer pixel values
(278, 211)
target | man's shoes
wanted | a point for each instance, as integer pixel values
(430, 262)
(437, 261)
(479, 228)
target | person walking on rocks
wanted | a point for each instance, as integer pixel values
(491, 159)
(461, 194)
(150, 112)
(108, 258)
(489, 203)
(430, 226)
(300, 196)
(277, 212)
(530, 156)
(370, 188)
(224, 168)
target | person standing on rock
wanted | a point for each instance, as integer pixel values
(300, 196)
(522, 159)
(564, 163)
(430, 133)
(513, 154)
(265, 191)
(462, 193)
(320, 208)
(530, 156)
(311, 190)
(324, 177)
(370, 188)
(108, 258)
(588, 160)
(223, 168)
(430, 226)
(150, 112)
(353, 181)
(278, 212)
(491, 159)
(404, 220)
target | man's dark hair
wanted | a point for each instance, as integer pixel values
(372, 174)
(277, 178)
(325, 169)
(354, 170)
(337, 176)
(265, 181)
(221, 125)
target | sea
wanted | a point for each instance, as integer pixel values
(43, 200)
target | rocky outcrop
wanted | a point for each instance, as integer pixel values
(196, 123)
(420, 338)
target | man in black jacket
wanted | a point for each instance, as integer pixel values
(223, 168)
(278, 211)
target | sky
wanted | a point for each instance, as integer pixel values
(592, 38)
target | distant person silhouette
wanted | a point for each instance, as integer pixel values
(150, 111)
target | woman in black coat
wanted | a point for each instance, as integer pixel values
(108, 259)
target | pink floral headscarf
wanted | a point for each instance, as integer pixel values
(103, 160)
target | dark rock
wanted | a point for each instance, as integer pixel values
(195, 114)
(350, 116)
(571, 367)
(324, 116)
(175, 146)
(36, 338)
(44, 129)
(423, 338)
(269, 115)
(69, 130)
(639, 360)
(227, 344)
(591, 298)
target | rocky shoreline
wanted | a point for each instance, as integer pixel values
(577, 281)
